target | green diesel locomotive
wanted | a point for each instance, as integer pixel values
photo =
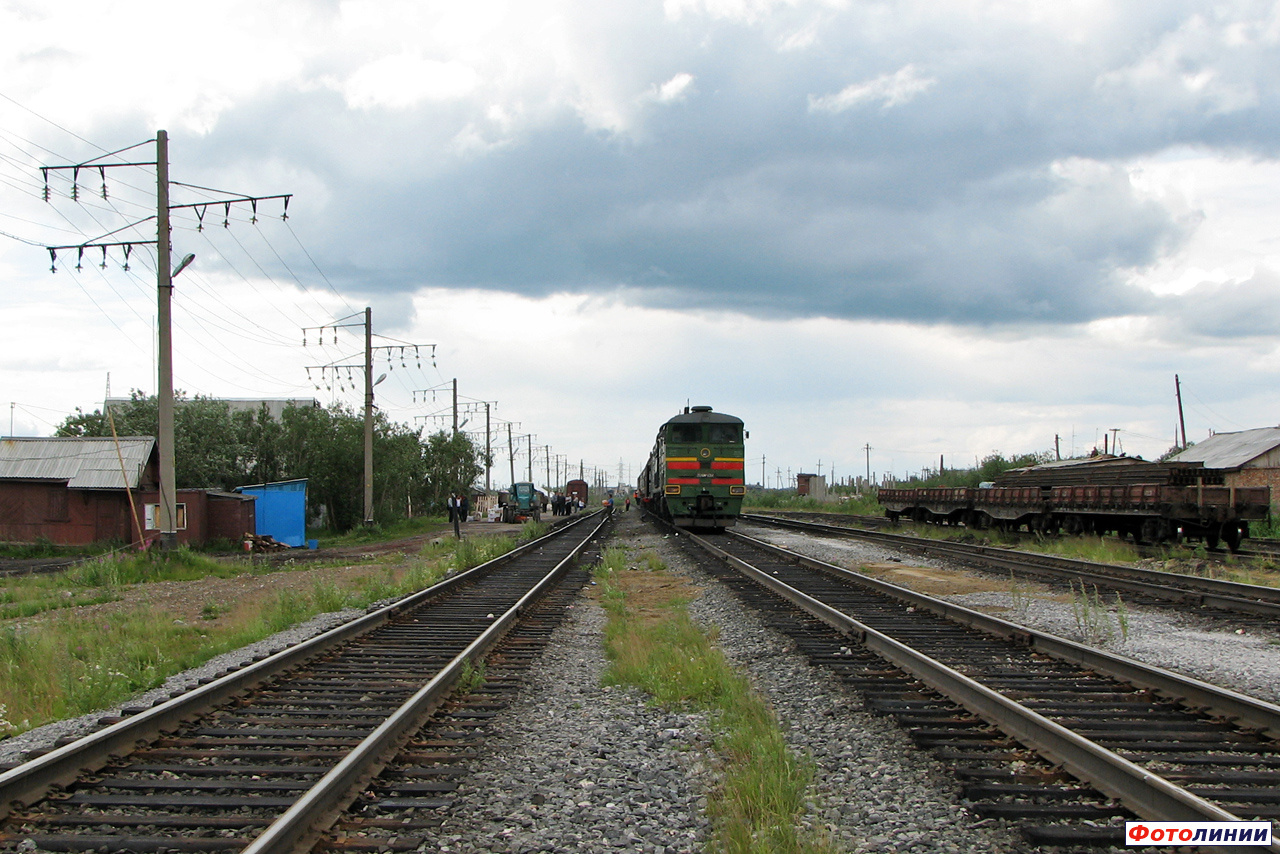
(695, 474)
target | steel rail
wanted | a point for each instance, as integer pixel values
(1184, 589)
(1259, 714)
(298, 827)
(1146, 793)
(33, 779)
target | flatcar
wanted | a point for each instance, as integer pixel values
(1152, 502)
(695, 474)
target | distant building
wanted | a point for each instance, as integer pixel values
(77, 491)
(1248, 457)
(812, 485)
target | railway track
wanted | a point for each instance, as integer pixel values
(1250, 603)
(1066, 740)
(266, 758)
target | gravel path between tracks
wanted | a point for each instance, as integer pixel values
(1242, 659)
(577, 766)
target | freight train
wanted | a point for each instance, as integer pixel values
(695, 475)
(1152, 502)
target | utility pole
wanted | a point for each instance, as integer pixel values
(164, 318)
(368, 416)
(762, 475)
(867, 448)
(546, 451)
(455, 406)
(168, 493)
(488, 449)
(511, 454)
(1182, 422)
(364, 321)
(365, 366)
(530, 437)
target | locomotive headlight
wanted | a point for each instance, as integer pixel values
(672, 490)
(737, 490)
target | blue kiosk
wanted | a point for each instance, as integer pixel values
(281, 510)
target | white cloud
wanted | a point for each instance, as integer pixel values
(892, 90)
(1233, 199)
(404, 80)
(1187, 68)
(677, 89)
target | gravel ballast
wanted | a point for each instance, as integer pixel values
(1242, 659)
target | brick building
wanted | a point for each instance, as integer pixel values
(76, 491)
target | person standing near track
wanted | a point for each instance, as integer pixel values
(456, 505)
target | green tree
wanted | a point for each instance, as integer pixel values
(210, 448)
(450, 463)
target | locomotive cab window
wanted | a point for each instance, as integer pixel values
(724, 434)
(685, 433)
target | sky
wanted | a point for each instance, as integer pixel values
(887, 235)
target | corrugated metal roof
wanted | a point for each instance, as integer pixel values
(83, 463)
(1231, 450)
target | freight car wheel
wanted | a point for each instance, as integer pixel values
(1231, 535)
(1152, 530)
(1073, 525)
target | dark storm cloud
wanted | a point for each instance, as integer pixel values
(951, 175)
